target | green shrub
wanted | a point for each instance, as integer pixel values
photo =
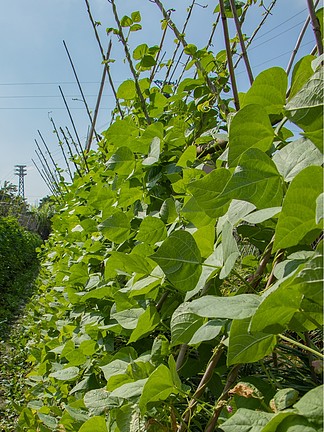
(17, 249)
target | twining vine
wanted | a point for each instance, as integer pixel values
(181, 287)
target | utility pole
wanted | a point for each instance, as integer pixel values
(21, 172)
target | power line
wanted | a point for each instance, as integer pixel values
(45, 108)
(49, 96)
(281, 24)
(51, 83)
(277, 35)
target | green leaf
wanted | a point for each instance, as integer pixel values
(152, 230)
(206, 332)
(128, 318)
(230, 250)
(96, 400)
(268, 90)
(245, 420)
(188, 157)
(285, 398)
(311, 406)
(122, 133)
(126, 21)
(135, 27)
(96, 423)
(115, 367)
(154, 152)
(283, 300)
(157, 388)
(296, 156)
(319, 208)
(205, 239)
(136, 16)
(140, 51)
(301, 74)
(129, 390)
(180, 260)
(305, 109)
(255, 180)
(245, 347)
(67, 374)
(48, 420)
(146, 323)
(206, 190)
(262, 215)
(276, 309)
(122, 161)
(297, 220)
(249, 128)
(184, 324)
(116, 228)
(128, 263)
(127, 90)
(237, 307)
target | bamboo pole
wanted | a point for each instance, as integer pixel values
(229, 55)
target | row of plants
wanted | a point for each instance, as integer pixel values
(18, 270)
(181, 287)
(17, 250)
(13, 339)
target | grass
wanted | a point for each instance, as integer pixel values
(13, 339)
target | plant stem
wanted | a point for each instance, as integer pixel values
(229, 55)
(232, 376)
(104, 58)
(202, 385)
(239, 32)
(304, 347)
(184, 43)
(316, 26)
(130, 63)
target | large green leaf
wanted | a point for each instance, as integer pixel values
(206, 190)
(245, 347)
(96, 423)
(122, 133)
(146, 323)
(206, 332)
(311, 406)
(237, 307)
(127, 90)
(230, 250)
(96, 400)
(128, 263)
(279, 305)
(122, 161)
(297, 220)
(276, 309)
(306, 109)
(255, 180)
(196, 214)
(180, 260)
(296, 156)
(157, 388)
(268, 90)
(154, 152)
(152, 230)
(245, 420)
(184, 324)
(130, 390)
(301, 73)
(116, 228)
(250, 127)
(66, 374)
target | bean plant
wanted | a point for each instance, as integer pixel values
(181, 287)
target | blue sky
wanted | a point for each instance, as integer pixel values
(34, 63)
